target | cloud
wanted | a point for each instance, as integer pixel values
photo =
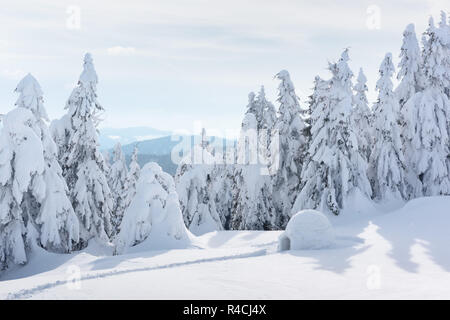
(213, 52)
(121, 51)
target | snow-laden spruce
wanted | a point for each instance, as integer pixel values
(269, 114)
(223, 184)
(57, 223)
(266, 117)
(265, 126)
(444, 34)
(22, 185)
(81, 161)
(116, 180)
(154, 214)
(223, 190)
(194, 183)
(289, 137)
(361, 116)
(387, 163)
(34, 207)
(319, 110)
(410, 72)
(252, 200)
(411, 81)
(335, 172)
(129, 190)
(427, 115)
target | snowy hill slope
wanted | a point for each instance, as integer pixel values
(400, 254)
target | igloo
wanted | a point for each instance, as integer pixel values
(307, 229)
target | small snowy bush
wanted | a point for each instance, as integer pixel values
(154, 214)
(194, 183)
(307, 229)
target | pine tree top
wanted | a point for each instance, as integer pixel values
(435, 41)
(361, 81)
(134, 156)
(204, 143)
(286, 86)
(117, 154)
(31, 96)
(88, 77)
(289, 102)
(261, 94)
(443, 22)
(410, 52)
(360, 87)
(251, 97)
(384, 84)
(341, 71)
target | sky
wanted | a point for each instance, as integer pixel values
(175, 64)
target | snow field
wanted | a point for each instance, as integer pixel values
(400, 254)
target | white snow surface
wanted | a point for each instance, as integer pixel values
(381, 255)
(307, 229)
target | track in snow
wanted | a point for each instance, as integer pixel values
(26, 293)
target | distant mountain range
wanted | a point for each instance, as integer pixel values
(110, 136)
(156, 149)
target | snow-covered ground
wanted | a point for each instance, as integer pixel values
(400, 254)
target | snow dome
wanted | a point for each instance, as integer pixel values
(307, 229)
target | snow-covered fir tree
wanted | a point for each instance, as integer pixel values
(263, 110)
(253, 107)
(129, 190)
(56, 222)
(291, 143)
(22, 185)
(133, 174)
(81, 161)
(252, 198)
(410, 72)
(194, 183)
(427, 114)
(266, 118)
(223, 190)
(224, 184)
(444, 34)
(116, 180)
(314, 172)
(269, 114)
(435, 54)
(361, 116)
(154, 214)
(315, 98)
(411, 81)
(387, 163)
(334, 173)
(34, 208)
